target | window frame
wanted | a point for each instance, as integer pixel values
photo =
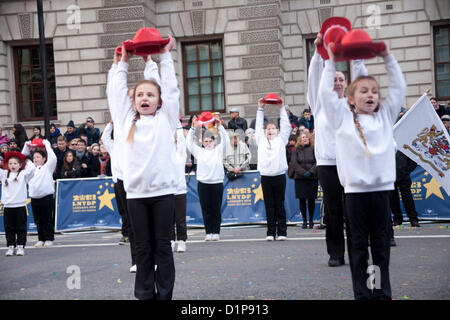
(435, 63)
(18, 84)
(196, 42)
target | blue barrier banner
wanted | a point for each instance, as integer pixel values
(31, 226)
(85, 204)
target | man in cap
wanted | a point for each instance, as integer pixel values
(71, 132)
(446, 121)
(236, 122)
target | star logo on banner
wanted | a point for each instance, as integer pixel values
(258, 192)
(105, 200)
(433, 187)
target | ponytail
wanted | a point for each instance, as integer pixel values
(130, 136)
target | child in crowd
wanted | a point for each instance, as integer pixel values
(210, 175)
(41, 188)
(365, 158)
(16, 173)
(272, 165)
(149, 171)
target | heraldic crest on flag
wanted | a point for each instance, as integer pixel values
(432, 147)
(421, 136)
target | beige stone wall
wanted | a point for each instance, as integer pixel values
(263, 45)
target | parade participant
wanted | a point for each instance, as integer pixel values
(41, 188)
(325, 153)
(272, 166)
(148, 149)
(365, 158)
(180, 236)
(303, 169)
(16, 173)
(210, 173)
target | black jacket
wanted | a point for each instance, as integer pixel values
(404, 165)
(239, 123)
(96, 167)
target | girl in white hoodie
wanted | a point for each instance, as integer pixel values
(16, 173)
(41, 189)
(210, 175)
(272, 165)
(365, 158)
(149, 171)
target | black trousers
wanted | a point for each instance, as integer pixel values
(151, 220)
(403, 183)
(15, 222)
(127, 230)
(273, 191)
(210, 196)
(180, 218)
(43, 217)
(368, 215)
(311, 207)
(333, 196)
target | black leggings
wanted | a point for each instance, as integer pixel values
(15, 221)
(210, 196)
(151, 220)
(311, 207)
(274, 188)
(43, 217)
(180, 218)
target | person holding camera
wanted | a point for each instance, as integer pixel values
(237, 158)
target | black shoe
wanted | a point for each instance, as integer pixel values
(311, 225)
(393, 243)
(397, 223)
(415, 224)
(336, 262)
(304, 225)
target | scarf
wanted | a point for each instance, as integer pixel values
(103, 163)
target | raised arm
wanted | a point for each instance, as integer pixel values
(358, 69)
(151, 71)
(285, 126)
(224, 140)
(106, 138)
(170, 94)
(51, 156)
(191, 146)
(259, 124)
(314, 74)
(396, 87)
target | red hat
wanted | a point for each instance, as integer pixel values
(206, 118)
(333, 30)
(13, 154)
(146, 41)
(272, 98)
(36, 142)
(357, 44)
(119, 49)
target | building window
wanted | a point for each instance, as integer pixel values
(203, 76)
(343, 66)
(442, 61)
(29, 95)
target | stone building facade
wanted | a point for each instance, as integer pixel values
(264, 46)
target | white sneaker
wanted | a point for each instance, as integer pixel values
(10, 251)
(173, 244)
(39, 244)
(215, 237)
(208, 237)
(270, 238)
(181, 247)
(133, 269)
(48, 243)
(20, 251)
(281, 238)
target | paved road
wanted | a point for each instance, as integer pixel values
(241, 266)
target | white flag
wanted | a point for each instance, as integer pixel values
(421, 136)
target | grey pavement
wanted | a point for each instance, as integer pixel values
(242, 266)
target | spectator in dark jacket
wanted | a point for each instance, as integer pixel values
(404, 166)
(54, 134)
(439, 108)
(290, 147)
(13, 145)
(71, 168)
(293, 119)
(20, 135)
(303, 169)
(236, 122)
(60, 153)
(37, 133)
(101, 164)
(71, 132)
(84, 157)
(307, 120)
(92, 133)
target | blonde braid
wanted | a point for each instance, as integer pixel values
(130, 136)
(358, 126)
